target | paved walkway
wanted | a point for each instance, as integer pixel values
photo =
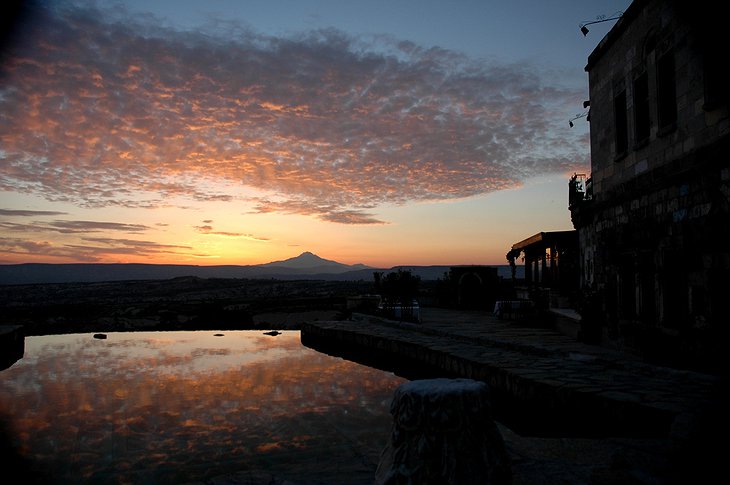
(556, 360)
(557, 365)
(571, 370)
(543, 365)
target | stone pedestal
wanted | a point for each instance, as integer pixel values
(443, 433)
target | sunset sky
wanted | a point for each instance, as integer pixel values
(409, 132)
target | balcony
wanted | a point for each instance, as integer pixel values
(580, 190)
(580, 195)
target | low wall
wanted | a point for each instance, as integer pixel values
(566, 321)
(529, 406)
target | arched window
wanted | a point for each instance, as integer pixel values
(666, 90)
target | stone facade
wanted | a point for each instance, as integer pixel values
(654, 217)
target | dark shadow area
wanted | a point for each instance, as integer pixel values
(526, 407)
(543, 414)
(12, 345)
(13, 464)
(186, 303)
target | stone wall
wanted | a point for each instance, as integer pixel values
(654, 237)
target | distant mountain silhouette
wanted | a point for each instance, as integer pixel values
(306, 266)
(310, 261)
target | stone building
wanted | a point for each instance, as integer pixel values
(653, 217)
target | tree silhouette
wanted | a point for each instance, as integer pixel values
(398, 287)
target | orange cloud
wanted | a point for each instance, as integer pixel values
(101, 110)
(207, 228)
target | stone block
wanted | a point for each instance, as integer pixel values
(443, 433)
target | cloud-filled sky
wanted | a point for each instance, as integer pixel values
(401, 133)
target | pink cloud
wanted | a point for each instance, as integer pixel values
(100, 249)
(28, 213)
(100, 110)
(73, 227)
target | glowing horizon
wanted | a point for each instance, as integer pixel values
(124, 139)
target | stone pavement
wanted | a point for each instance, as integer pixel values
(620, 417)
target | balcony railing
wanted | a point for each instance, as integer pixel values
(580, 189)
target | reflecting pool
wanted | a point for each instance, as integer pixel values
(176, 407)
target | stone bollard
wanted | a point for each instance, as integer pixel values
(443, 433)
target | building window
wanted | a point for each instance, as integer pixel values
(641, 108)
(666, 91)
(674, 289)
(716, 82)
(647, 289)
(627, 290)
(621, 124)
(714, 85)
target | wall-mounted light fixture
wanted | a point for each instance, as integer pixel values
(599, 19)
(586, 115)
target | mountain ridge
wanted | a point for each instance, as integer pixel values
(309, 260)
(288, 269)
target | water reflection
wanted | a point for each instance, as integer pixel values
(183, 406)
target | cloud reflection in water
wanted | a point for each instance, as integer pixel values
(188, 405)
